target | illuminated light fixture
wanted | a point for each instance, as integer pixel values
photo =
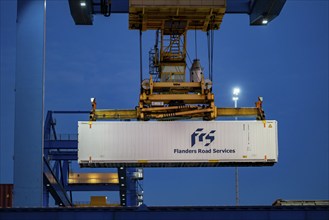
(264, 21)
(235, 98)
(83, 4)
(236, 91)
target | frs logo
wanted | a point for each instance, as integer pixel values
(201, 135)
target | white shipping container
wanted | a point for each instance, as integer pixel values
(179, 143)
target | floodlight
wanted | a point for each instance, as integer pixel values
(236, 91)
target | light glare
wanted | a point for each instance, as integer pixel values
(265, 21)
(236, 91)
(83, 4)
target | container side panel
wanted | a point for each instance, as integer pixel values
(188, 143)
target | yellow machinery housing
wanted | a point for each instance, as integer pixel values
(170, 96)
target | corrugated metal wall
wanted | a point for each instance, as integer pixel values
(6, 195)
(183, 143)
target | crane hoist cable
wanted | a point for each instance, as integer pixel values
(209, 66)
(212, 53)
(188, 56)
(172, 88)
(210, 41)
(140, 58)
(195, 44)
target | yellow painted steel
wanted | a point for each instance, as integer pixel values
(93, 178)
(208, 111)
(184, 113)
(173, 55)
(158, 113)
(192, 14)
(122, 114)
(160, 85)
(233, 112)
(98, 201)
(172, 98)
(167, 108)
(202, 87)
(173, 18)
(187, 98)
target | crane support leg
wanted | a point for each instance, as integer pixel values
(29, 95)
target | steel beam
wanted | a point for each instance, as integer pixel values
(92, 187)
(171, 212)
(61, 144)
(115, 114)
(238, 6)
(132, 114)
(256, 9)
(187, 98)
(7, 86)
(93, 178)
(237, 112)
(70, 155)
(132, 193)
(29, 101)
(53, 185)
(122, 6)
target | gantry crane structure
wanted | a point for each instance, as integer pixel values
(31, 160)
(167, 95)
(60, 181)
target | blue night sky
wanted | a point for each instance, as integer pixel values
(286, 62)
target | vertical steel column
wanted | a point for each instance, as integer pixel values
(7, 85)
(29, 100)
(45, 197)
(131, 188)
(65, 173)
